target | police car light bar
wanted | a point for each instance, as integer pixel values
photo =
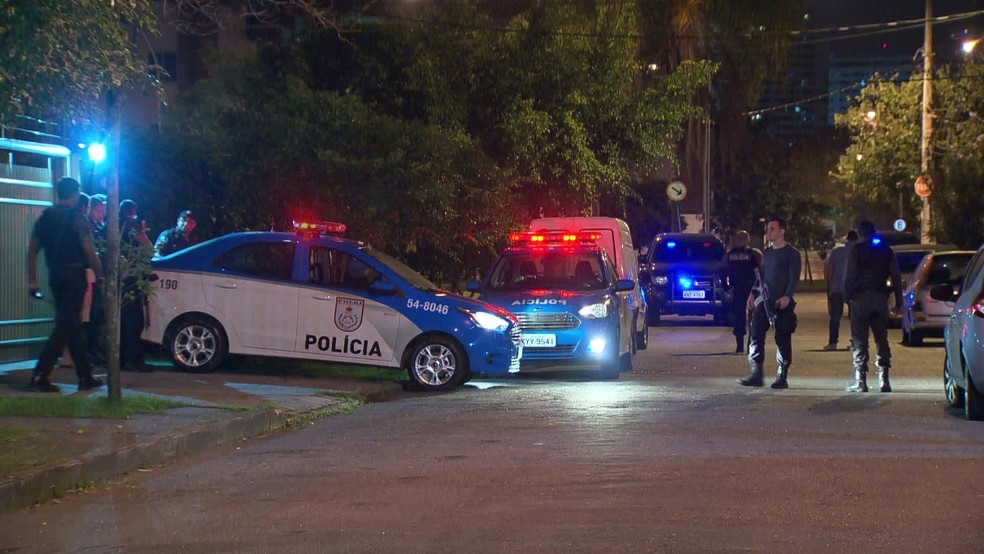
(553, 237)
(320, 227)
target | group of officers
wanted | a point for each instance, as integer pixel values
(72, 234)
(857, 273)
(762, 284)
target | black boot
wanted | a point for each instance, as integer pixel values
(860, 383)
(781, 378)
(883, 383)
(754, 378)
(739, 344)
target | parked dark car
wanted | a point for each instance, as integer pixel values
(895, 238)
(681, 274)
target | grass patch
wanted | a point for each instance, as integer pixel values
(17, 451)
(84, 406)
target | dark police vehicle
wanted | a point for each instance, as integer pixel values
(681, 274)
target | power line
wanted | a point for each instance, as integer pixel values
(870, 28)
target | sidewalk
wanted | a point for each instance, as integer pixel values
(87, 451)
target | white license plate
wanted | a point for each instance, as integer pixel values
(693, 294)
(539, 341)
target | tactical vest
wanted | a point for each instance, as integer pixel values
(742, 262)
(874, 262)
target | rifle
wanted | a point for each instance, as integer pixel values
(765, 298)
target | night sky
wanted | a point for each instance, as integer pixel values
(829, 13)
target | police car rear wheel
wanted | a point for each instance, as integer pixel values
(437, 363)
(197, 345)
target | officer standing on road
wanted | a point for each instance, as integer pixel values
(64, 235)
(870, 264)
(740, 264)
(780, 271)
(833, 274)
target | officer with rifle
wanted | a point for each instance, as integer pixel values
(773, 306)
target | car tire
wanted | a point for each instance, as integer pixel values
(652, 318)
(642, 337)
(954, 393)
(196, 344)
(973, 402)
(436, 363)
(612, 366)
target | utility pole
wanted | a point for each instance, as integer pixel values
(927, 121)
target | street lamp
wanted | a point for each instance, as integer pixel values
(97, 152)
(968, 45)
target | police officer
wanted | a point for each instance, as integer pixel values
(134, 244)
(739, 276)
(870, 264)
(833, 273)
(781, 272)
(179, 237)
(64, 235)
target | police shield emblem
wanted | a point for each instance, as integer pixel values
(348, 313)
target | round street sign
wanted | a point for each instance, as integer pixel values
(922, 187)
(676, 191)
(899, 225)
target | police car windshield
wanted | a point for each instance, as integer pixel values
(548, 270)
(669, 251)
(415, 279)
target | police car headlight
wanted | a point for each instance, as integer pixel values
(594, 311)
(662, 279)
(485, 320)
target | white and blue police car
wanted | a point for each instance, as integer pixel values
(573, 308)
(313, 295)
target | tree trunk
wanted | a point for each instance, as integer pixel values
(113, 253)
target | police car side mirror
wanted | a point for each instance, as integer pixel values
(943, 293)
(624, 285)
(472, 285)
(382, 286)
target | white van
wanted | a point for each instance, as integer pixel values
(616, 239)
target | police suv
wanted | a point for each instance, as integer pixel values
(573, 308)
(317, 296)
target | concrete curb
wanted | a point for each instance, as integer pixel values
(52, 481)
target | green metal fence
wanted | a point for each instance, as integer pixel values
(27, 171)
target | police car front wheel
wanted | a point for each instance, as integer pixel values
(436, 363)
(196, 345)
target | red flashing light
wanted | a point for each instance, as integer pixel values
(319, 227)
(707, 245)
(544, 237)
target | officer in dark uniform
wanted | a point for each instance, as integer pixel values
(870, 264)
(133, 243)
(64, 235)
(179, 237)
(739, 277)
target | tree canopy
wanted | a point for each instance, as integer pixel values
(431, 156)
(883, 159)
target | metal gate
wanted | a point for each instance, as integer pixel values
(28, 170)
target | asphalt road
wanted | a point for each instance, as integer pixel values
(674, 457)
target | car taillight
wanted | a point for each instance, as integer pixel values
(977, 309)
